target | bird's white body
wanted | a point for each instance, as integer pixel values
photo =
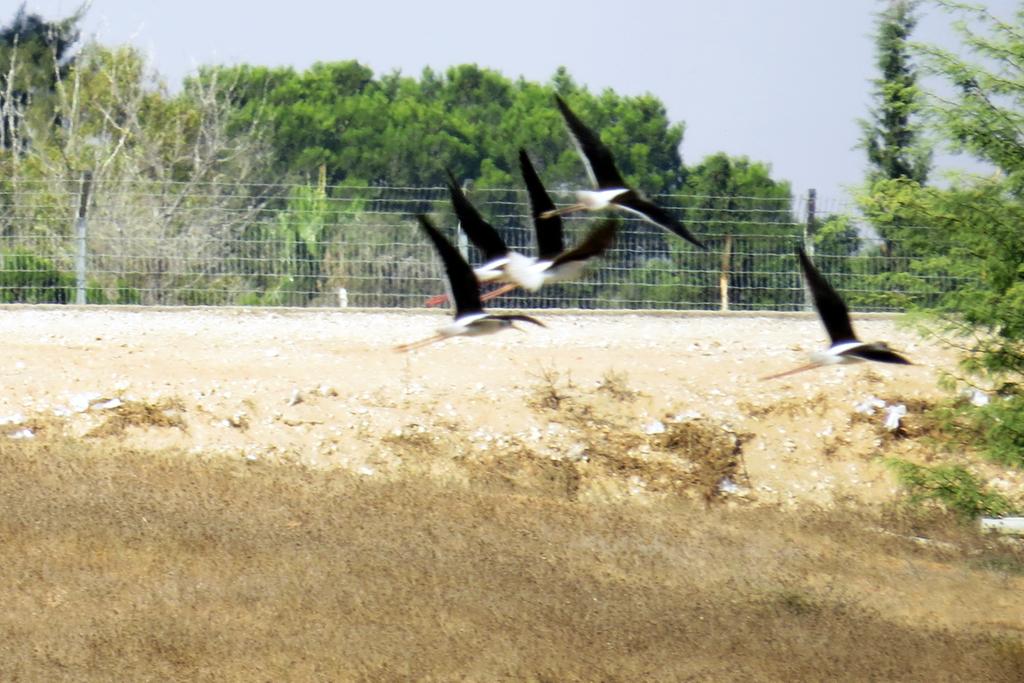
(596, 200)
(470, 318)
(838, 354)
(831, 308)
(526, 272)
(532, 274)
(492, 270)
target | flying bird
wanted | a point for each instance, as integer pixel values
(554, 263)
(845, 348)
(482, 234)
(470, 318)
(611, 189)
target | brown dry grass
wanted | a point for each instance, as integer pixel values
(163, 413)
(130, 565)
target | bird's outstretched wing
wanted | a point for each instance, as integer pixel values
(597, 241)
(596, 156)
(550, 241)
(831, 308)
(480, 232)
(462, 283)
(878, 352)
(516, 317)
(648, 210)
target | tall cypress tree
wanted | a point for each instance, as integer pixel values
(891, 136)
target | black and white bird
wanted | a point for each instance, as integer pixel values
(470, 318)
(845, 348)
(480, 233)
(483, 235)
(611, 190)
(554, 263)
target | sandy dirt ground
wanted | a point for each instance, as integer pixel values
(592, 390)
(279, 495)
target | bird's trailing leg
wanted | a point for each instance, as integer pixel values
(563, 210)
(809, 366)
(495, 293)
(441, 298)
(402, 348)
(436, 300)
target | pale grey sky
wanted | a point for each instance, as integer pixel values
(782, 82)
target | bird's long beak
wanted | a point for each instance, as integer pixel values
(809, 366)
(565, 209)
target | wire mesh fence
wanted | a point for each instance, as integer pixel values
(264, 245)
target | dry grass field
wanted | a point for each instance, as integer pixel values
(253, 495)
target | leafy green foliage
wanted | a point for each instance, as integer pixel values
(35, 55)
(971, 256)
(29, 279)
(659, 284)
(980, 247)
(403, 131)
(950, 486)
(26, 278)
(995, 427)
(1001, 425)
(892, 136)
(297, 241)
(197, 175)
(733, 204)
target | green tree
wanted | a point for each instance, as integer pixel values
(35, 56)
(974, 227)
(892, 137)
(742, 213)
(165, 165)
(399, 130)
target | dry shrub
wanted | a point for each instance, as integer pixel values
(127, 565)
(37, 425)
(518, 469)
(549, 392)
(164, 413)
(819, 404)
(689, 457)
(418, 443)
(715, 452)
(616, 385)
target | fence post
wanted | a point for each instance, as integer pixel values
(809, 228)
(81, 231)
(810, 225)
(723, 278)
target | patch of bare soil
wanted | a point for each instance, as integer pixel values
(232, 494)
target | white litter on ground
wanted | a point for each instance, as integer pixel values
(893, 415)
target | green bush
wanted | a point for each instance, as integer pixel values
(657, 283)
(1001, 425)
(29, 279)
(950, 486)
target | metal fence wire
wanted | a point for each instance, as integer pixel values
(116, 242)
